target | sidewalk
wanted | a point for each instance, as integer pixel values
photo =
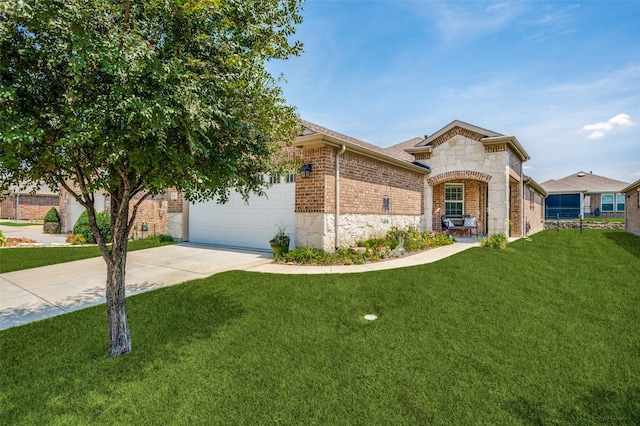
(39, 293)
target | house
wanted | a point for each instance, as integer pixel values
(356, 190)
(632, 210)
(28, 203)
(159, 214)
(584, 195)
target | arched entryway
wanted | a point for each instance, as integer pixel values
(460, 192)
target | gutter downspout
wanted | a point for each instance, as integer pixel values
(336, 225)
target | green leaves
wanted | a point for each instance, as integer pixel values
(175, 83)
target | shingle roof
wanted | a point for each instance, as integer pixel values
(312, 128)
(583, 182)
(631, 187)
(398, 150)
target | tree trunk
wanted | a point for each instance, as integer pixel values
(119, 334)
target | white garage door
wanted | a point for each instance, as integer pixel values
(244, 225)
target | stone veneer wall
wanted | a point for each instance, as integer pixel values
(317, 230)
(586, 224)
(462, 153)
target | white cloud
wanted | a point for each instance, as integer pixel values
(598, 129)
(622, 120)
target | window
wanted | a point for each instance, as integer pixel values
(532, 199)
(291, 178)
(620, 202)
(274, 179)
(386, 203)
(453, 198)
(607, 202)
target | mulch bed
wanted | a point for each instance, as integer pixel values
(14, 242)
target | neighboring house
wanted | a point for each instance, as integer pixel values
(28, 203)
(357, 190)
(584, 195)
(632, 211)
(161, 214)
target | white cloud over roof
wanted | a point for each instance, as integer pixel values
(598, 129)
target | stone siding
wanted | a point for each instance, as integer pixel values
(317, 229)
(575, 224)
(464, 154)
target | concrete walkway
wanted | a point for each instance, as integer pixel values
(39, 293)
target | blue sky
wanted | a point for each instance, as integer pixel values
(563, 77)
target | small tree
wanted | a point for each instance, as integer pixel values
(131, 98)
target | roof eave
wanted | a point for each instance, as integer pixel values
(512, 141)
(318, 140)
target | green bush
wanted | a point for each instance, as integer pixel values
(103, 220)
(3, 240)
(160, 238)
(52, 215)
(393, 244)
(497, 241)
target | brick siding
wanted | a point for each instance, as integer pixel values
(633, 212)
(474, 202)
(30, 207)
(366, 182)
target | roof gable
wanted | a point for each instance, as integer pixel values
(584, 182)
(486, 137)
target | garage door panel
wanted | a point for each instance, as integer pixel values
(237, 223)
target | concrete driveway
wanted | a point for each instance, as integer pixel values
(38, 293)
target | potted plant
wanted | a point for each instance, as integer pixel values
(280, 242)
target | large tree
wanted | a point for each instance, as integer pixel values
(132, 97)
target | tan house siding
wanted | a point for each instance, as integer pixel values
(30, 207)
(8, 207)
(474, 203)
(632, 198)
(153, 212)
(533, 211)
(515, 163)
(366, 182)
(313, 195)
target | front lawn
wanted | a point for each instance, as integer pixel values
(19, 258)
(542, 332)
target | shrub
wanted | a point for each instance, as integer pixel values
(3, 240)
(395, 243)
(160, 238)
(78, 239)
(52, 215)
(103, 220)
(497, 241)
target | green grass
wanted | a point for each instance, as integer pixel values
(544, 332)
(19, 258)
(39, 222)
